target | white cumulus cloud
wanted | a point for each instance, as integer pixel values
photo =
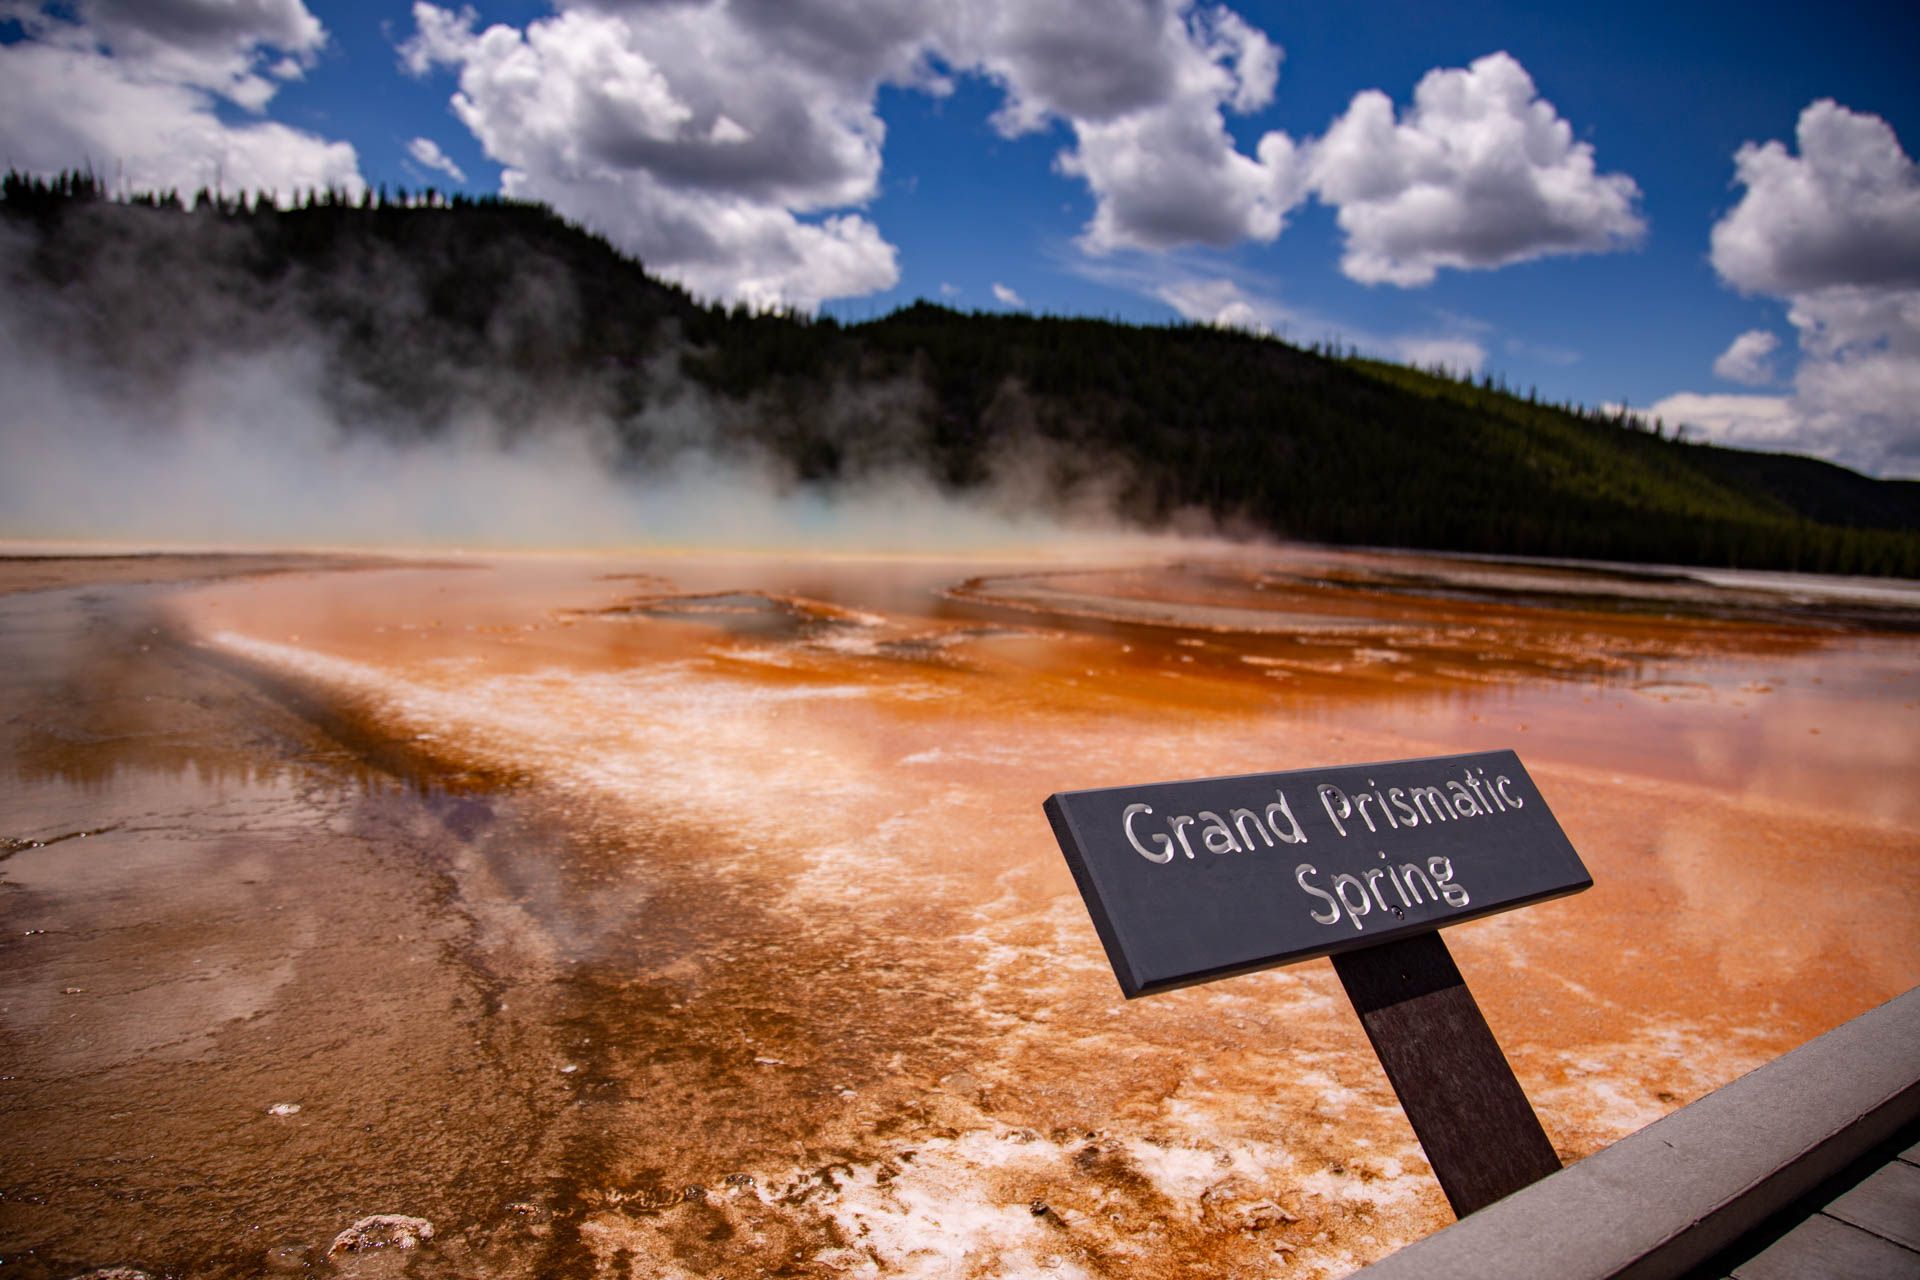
(1145, 89)
(1744, 421)
(1844, 212)
(1748, 358)
(1006, 296)
(235, 48)
(689, 137)
(732, 145)
(1834, 232)
(735, 145)
(134, 90)
(1480, 172)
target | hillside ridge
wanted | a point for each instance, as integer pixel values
(423, 307)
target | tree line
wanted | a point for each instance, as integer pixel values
(1317, 443)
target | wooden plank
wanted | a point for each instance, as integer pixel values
(1470, 1114)
(1912, 1154)
(1823, 1248)
(1666, 1201)
(1886, 1202)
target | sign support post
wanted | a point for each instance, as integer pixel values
(1190, 882)
(1469, 1112)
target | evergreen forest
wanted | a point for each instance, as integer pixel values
(423, 304)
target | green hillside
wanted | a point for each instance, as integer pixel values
(422, 309)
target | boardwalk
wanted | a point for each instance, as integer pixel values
(1868, 1230)
(1807, 1168)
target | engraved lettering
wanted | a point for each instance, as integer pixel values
(1498, 803)
(1393, 877)
(1300, 874)
(1463, 801)
(1442, 811)
(1217, 836)
(1330, 793)
(1293, 834)
(1399, 798)
(1166, 846)
(1356, 906)
(1360, 803)
(1373, 885)
(1442, 869)
(1412, 869)
(1240, 819)
(1384, 811)
(1181, 821)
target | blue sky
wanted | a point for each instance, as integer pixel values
(1546, 207)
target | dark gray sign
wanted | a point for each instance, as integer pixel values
(1190, 881)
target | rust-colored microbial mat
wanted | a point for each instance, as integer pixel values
(696, 916)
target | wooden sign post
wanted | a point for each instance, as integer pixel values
(1192, 881)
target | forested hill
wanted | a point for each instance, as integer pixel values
(422, 309)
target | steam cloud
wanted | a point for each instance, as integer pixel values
(168, 398)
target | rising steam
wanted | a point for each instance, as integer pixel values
(162, 396)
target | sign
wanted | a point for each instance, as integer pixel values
(1191, 881)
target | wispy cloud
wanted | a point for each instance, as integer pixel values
(1206, 291)
(1544, 352)
(427, 152)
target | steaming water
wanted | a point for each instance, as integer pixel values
(696, 916)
